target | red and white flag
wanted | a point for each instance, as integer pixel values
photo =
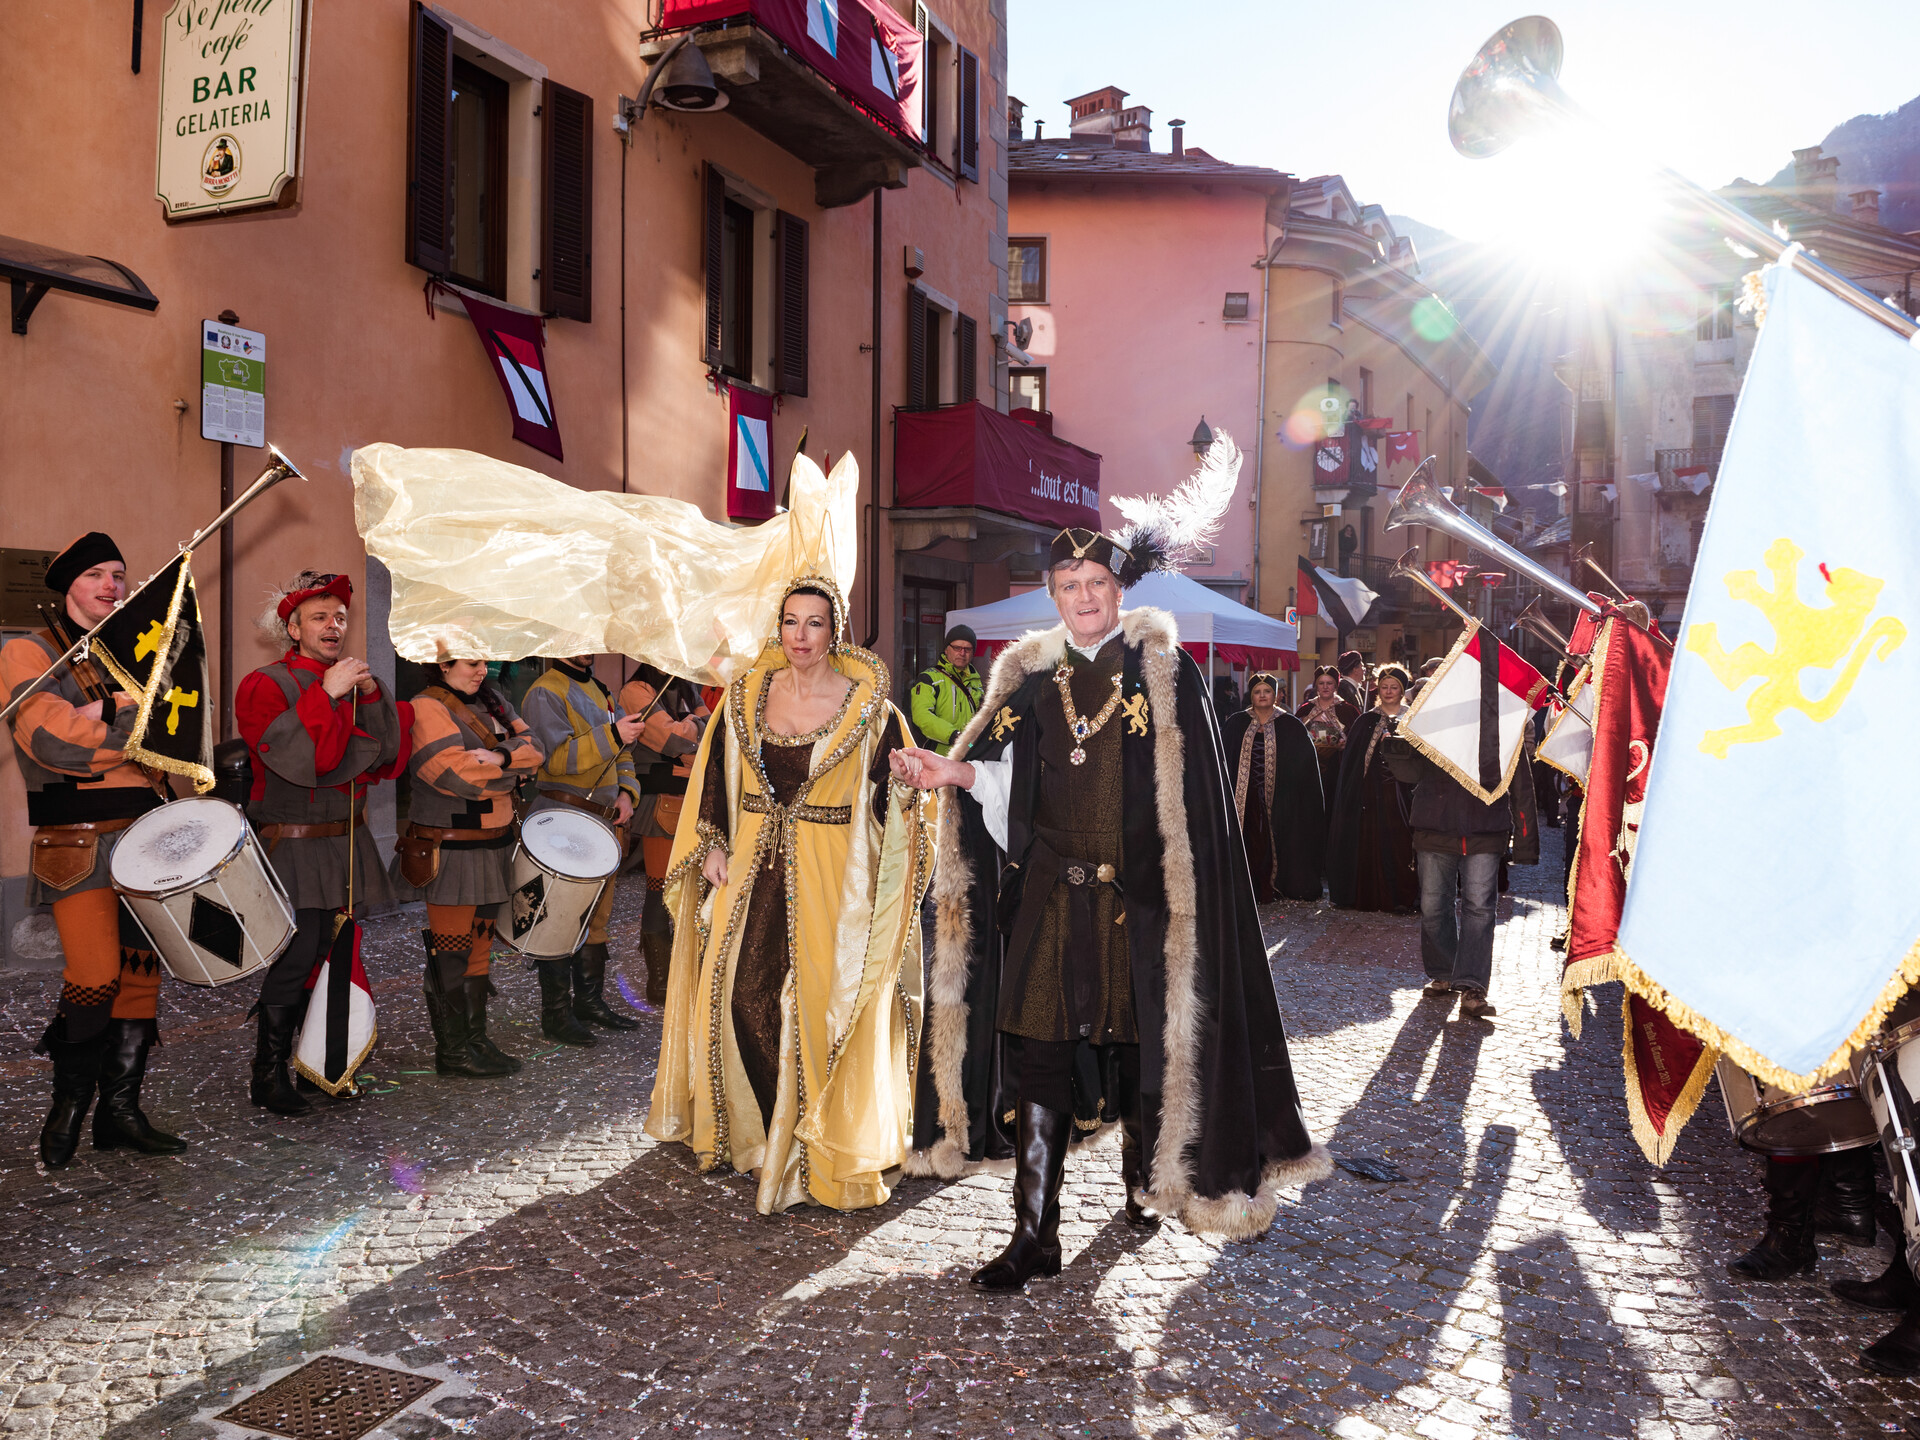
(1666, 1067)
(1471, 718)
(515, 343)
(1403, 445)
(338, 1033)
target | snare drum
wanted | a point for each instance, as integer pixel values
(564, 859)
(196, 878)
(1821, 1121)
(1888, 1073)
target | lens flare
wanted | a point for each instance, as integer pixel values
(1432, 320)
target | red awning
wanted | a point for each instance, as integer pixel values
(971, 455)
(869, 53)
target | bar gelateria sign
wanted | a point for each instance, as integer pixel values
(229, 104)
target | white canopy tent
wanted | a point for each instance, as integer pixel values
(1205, 616)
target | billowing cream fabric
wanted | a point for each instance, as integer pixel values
(853, 1004)
(494, 561)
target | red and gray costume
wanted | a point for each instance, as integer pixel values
(313, 758)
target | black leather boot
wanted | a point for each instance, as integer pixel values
(1133, 1173)
(658, 950)
(272, 1087)
(118, 1119)
(1893, 1289)
(1787, 1248)
(1845, 1206)
(76, 1071)
(557, 1021)
(1042, 1158)
(477, 988)
(589, 966)
(453, 1051)
(656, 944)
(1898, 1351)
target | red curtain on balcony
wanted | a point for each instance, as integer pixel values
(869, 53)
(969, 454)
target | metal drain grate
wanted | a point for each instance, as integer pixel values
(329, 1399)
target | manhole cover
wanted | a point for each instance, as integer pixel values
(329, 1399)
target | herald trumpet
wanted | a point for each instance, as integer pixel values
(1511, 89)
(1421, 503)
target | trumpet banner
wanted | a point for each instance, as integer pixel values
(493, 561)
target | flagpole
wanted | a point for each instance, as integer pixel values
(279, 470)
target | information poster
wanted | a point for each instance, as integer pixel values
(233, 384)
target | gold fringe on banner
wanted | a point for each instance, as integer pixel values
(1658, 1147)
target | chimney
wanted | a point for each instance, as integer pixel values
(1096, 115)
(1866, 206)
(1816, 177)
(1178, 129)
(1016, 119)
(1038, 126)
(1134, 129)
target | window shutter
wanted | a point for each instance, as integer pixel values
(927, 89)
(429, 115)
(716, 217)
(968, 141)
(566, 184)
(968, 339)
(916, 349)
(790, 304)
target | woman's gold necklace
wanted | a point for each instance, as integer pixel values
(1083, 730)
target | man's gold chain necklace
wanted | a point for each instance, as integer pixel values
(1083, 730)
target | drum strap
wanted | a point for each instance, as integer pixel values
(461, 711)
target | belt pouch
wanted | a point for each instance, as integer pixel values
(63, 858)
(419, 859)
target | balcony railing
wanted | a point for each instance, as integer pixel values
(1668, 462)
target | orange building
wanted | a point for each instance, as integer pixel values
(674, 256)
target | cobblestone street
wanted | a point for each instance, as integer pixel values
(1531, 1275)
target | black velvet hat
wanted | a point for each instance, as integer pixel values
(91, 549)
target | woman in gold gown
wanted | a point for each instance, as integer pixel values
(794, 1001)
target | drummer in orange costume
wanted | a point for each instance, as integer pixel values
(470, 752)
(675, 714)
(81, 793)
(319, 728)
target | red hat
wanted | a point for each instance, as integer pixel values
(338, 586)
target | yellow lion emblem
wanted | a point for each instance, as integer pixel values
(1805, 639)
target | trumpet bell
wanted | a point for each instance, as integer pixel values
(1512, 84)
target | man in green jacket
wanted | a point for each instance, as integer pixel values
(944, 698)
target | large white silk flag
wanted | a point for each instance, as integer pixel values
(1774, 901)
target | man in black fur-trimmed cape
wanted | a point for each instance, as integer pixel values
(1135, 985)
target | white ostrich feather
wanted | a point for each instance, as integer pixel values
(1189, 519)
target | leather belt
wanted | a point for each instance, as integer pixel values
(434, 832)
(326, 830)
(756, 804)
(86, 827)
(1085, 872)
(605, 812)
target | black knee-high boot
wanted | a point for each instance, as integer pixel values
(118, 1119)
(1042, 1158)
(272, 1088)
(1846, 1197)
(557, 1020)
(478, 988)
(1787, 1248)
(76, 1072)
(656, 943)
(589, 989)
(444, 986)
(1893, 1289)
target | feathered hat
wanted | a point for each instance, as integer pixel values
(1163, 532)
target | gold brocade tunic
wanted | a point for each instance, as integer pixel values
(1056, 989)
(794, 1000)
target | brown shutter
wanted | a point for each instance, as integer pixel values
(790, 304)
(968, 339)
(429, 115)
(566, 184)
(916, 349)
(967, 143)
(716, 282)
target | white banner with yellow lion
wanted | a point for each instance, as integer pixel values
(1774, 905)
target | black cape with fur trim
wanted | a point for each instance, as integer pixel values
(1230, 1131)
(1298, 819)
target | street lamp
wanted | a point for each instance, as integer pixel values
(1202, 440)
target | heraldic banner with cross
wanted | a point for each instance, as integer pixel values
(155, 650)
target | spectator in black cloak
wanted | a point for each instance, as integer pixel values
(1369, 841)
(1274, 773)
